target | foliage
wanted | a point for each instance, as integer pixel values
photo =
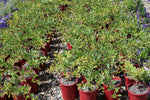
(130, 5)
(102, 34)
(28, 32)
(66, 63)
(99, 32)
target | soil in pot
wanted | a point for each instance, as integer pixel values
(68, 81)
(87, 93)
(68, 87)
(108, 94)
(137, 91)
(87, 89)
(117, 83)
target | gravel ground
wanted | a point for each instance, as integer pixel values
(49, 88)
(147, 5)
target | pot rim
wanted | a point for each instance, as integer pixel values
(127, 77)
(88, 91)
(132, 83)
(117, 78)
(68, 85)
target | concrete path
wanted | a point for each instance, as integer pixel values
(147, 5)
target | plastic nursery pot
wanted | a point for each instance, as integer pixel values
(108, 94)
(34, 85)
(3, 24)
(20, 63)
(69, 92)
(127, 80)
(21, 97)
(133, 96)
(92, 95)
(148, 84)
(4, 97)
(35, 70)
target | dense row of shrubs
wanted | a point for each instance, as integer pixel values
(104, 39)
(25, 43)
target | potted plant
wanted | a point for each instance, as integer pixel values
(3, 97)
(100, 36)
(22, 42)
(65, 64)
(128, 68)
(134, 91)
(138, 89)
(88, 87)
(15, 87)
(31, 79)
(24, 95)
(88, 91)
(111, 85)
